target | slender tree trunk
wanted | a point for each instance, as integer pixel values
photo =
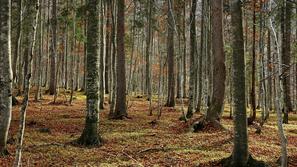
(286, 58)
(269, 70)
(39, 71)
(18, 40)
(113, 62)
(52, 86)
(253, 88)
(278, 95)
(130, 81)
(171, 56)
(32, 20)
(73, 49)
(149, 54)
(5, 74)
(202, 54)
(192, 59)
(101, 73)
(185, 51)
(107, 46)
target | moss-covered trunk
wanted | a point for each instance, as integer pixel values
(90, 135)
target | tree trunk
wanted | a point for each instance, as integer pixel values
(101, 73)
(192, 59)
(240, 149)
(90, 135)
(52, 86)
(219, 69)
(32, 22)
(17, 54)
(278, 95)
(107, 46)
(171, 57)
(202, 54)
(120, 108)
(5, 74)
(39, 71)
(253, 88)
(286, 58)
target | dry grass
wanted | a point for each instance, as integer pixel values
(133, 142)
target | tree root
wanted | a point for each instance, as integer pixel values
(227, 162)
(203, 124)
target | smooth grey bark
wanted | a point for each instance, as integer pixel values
(90, 135)
(5, 74)
(240, 153)
(278, 94)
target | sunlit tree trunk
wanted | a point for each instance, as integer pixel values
(31, 22)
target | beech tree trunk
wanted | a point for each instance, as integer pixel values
(120, 108)
(219, 70)
(52, 86)
(286, 57)
(90, 135)
(171, 57)
(240, 150)
(31, 30)
(5, 74)
(192, 59)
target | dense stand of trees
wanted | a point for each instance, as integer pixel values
(210, 53)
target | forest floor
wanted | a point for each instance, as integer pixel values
(50, 128)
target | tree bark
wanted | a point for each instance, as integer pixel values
(286, 57)
(120, 108)
(253, 88)
(52, 86)
(32, 22)
(90, 135)
(240, 150)
(101, 73)
(219, 69)
(5, 74)
(192, 59)
(171, 56)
